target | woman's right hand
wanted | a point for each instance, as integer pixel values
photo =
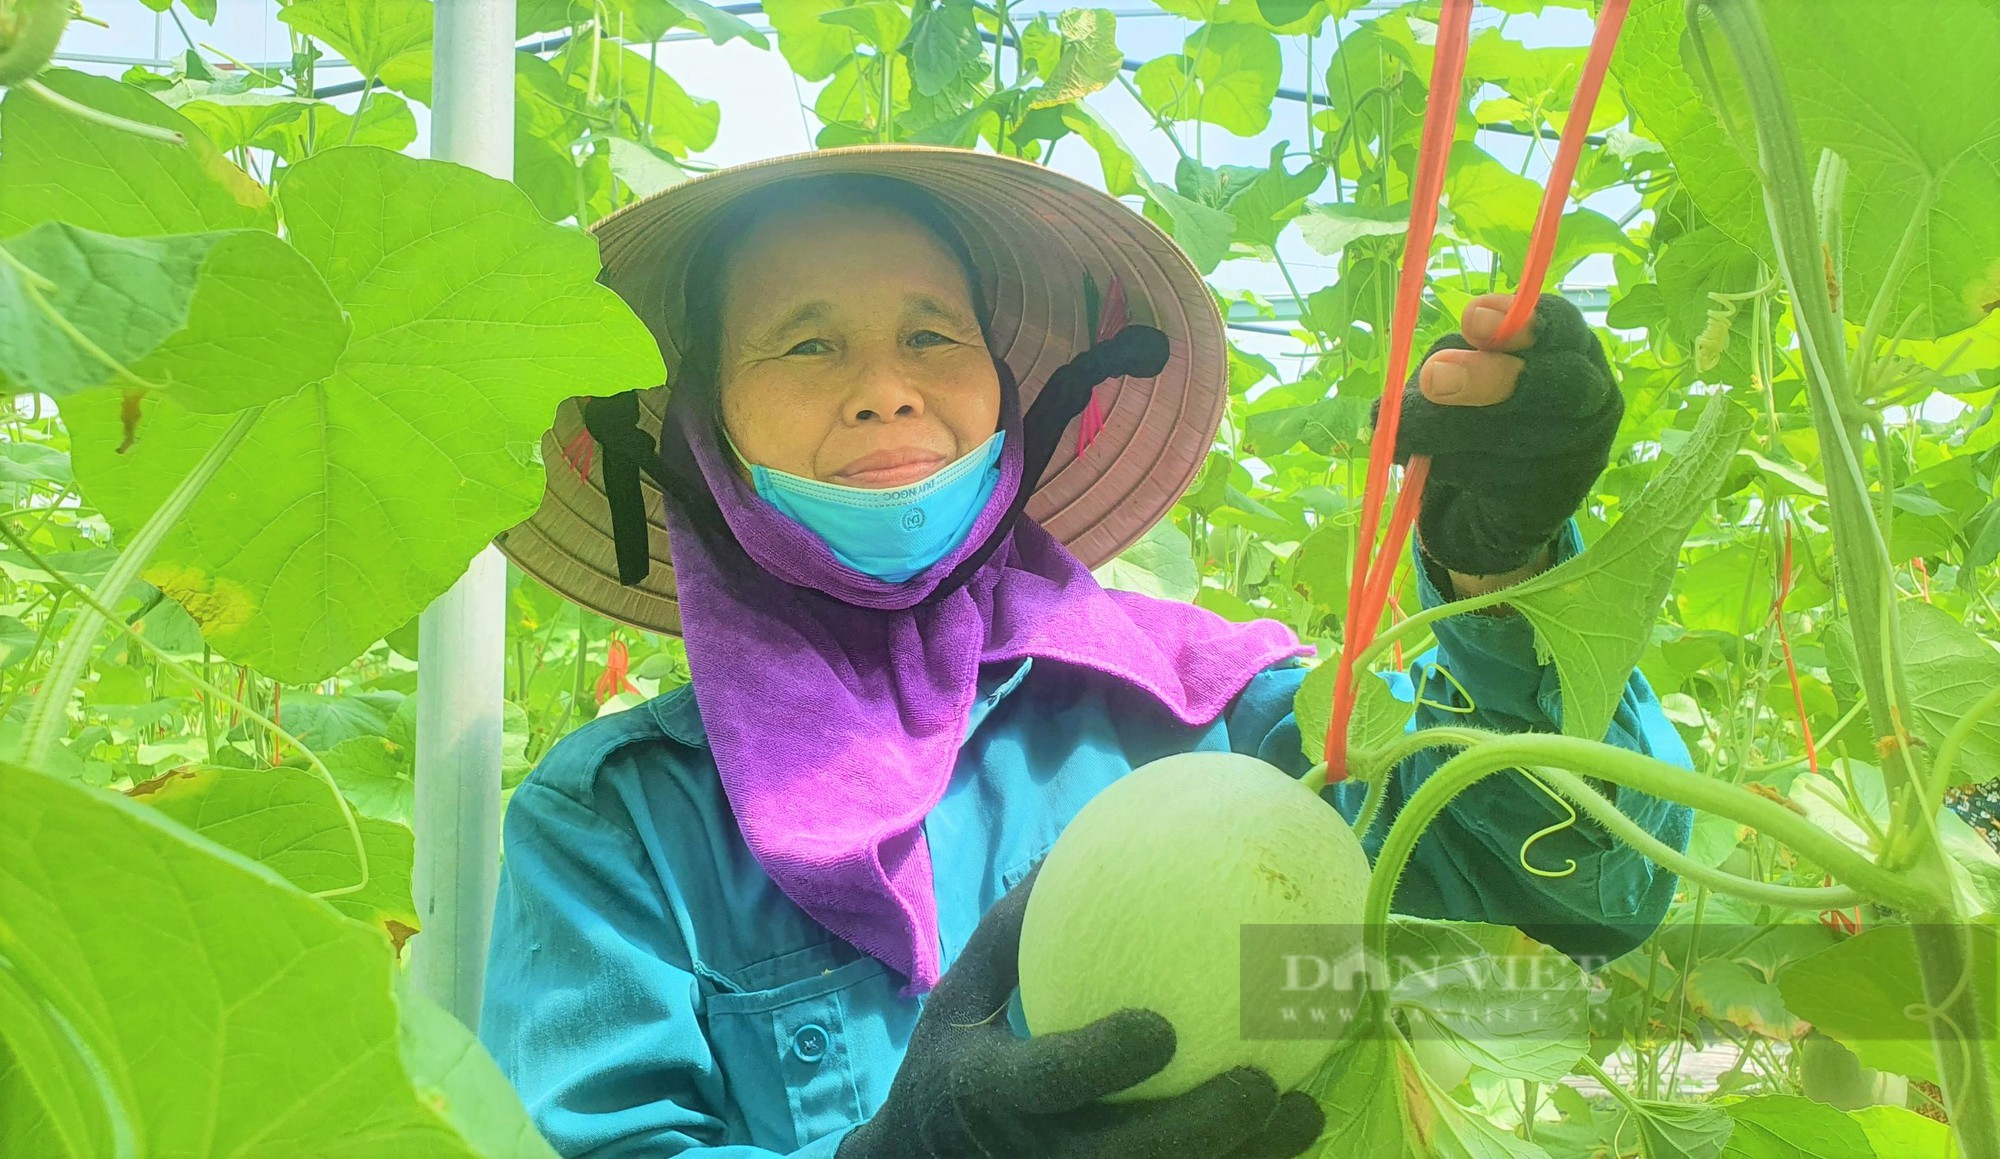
(968, 1086)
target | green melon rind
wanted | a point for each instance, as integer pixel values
(1141, 900)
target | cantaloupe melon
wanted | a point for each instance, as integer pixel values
(1142, 900)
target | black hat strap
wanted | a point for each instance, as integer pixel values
(1136, 351)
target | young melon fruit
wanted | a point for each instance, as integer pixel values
(1142, 900)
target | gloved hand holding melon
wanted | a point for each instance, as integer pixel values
(969, 1086)
(1142, 901)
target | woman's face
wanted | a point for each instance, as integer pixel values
(850, 352)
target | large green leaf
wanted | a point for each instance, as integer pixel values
(352, 505)
(1861, 991)
(1089, 58)
(287, 819)
(1227, 75)
(375, 36)
(71, 299)
(218, 1008)
(1680, 1130)
(1161, 564)
(222, 321)
(1329, 228)
(1790, 1127)
(813, 47)
(1901, 1131)
(1949, 667)
(1595, 613)
(1509, 1003)
(55, 165)
(944, 41)
(1912, 113)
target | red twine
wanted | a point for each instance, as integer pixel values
(1369, 587)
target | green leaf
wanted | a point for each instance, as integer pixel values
(1380, 716)
(813, 47)
(1909, 114)
(70, 298)
(169, 938)
(1730, 991)
(1900, 1131)
(288, 819)
(17, 640)
(353, 504)
(374, 773)
(454, 1075)
(642, 170)
(1651, 66)
(54, 165)
(1490, 204)
(723, 27)
(263, 324)
(1507, 1002)
(22, 462)
(681, 124)
(1122, 175)
(943, 42)
(1161, 564)
(1949, 667)
(1090, 58)
(1329, 228)
(1860, 990)
(1323, 426)
(1272, 198)
(1681, 1130)
(881, 24)
(223, 321)
(1595, 613)
(1790, 1127)
(294, 128)
(1226, 74)
(377, 37)
(1360, 1088)
(1204, 233)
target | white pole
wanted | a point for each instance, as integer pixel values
(461, 639)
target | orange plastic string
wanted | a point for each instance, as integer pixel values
(1370, 585)
(1785, 575)
(1440, 121)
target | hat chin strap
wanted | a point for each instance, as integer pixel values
(1136, 351)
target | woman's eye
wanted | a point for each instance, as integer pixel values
(801, 347)
(921, 335)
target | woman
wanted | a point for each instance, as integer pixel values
(776, 911)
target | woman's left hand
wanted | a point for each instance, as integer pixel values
(1516, 435)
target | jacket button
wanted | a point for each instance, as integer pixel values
(809, 1044)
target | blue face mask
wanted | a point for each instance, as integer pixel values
(892, 533)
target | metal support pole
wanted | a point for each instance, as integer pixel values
(461, 639)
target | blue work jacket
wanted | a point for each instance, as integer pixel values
(651, 992)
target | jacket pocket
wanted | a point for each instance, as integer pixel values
(808, 1057)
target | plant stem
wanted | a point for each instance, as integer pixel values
(99, 116)
(1814, 898)
(50, 713)
(201, 682)
(1914, 892)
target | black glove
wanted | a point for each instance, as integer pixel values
(969, 1087)
(1505, 478)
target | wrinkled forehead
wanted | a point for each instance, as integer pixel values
(793, 252)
